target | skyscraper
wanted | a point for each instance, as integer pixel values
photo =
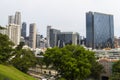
(99, 30)
(14, 33)
(53, 37)
(17, 19)
(48, 36)
(32, 36)
(57, 38)
(14, 28)
(23, 30)
(11, 19)
(65, 38)
(38, 37)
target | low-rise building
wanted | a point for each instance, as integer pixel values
(107, 58)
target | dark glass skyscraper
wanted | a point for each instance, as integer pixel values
(65, 38)
(10, 19)
(57, 38)
(99, 30)
(38, 38)
(53, 37)
(23, 30)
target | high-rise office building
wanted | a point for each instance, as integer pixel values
(11, 19)
(75, 38)
(65, 38)
(38, 38)
(99, 30)
(53, 37)
(60, 39)
(23, 30)
(17, 19)
(43, 43)
(32, 36)
(48, 36)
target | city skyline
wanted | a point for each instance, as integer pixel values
(60, 14)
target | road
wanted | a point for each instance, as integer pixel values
(42, 74)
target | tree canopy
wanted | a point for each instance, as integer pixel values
(2, 27)
(115, 71)
(5, 48)
(23, 58)
(18, 57)
(71, 62)
(116, 67)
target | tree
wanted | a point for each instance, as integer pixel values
(115, 71)
(115, 76)
(2, 27)
(71, 62)
(40, 62)
(20, 46)
(116, 67)
(5, 48)
(23, 60)
(96, 70)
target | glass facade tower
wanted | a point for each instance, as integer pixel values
(53, 37)
(23, 30)
(99, 30)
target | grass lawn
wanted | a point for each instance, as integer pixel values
(11, 73)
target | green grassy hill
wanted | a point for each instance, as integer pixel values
(11, 73)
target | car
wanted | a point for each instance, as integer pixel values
(44, 79)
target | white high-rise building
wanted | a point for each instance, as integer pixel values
(14, 33)
(14, 28)
(32, 36)
(17, 19)
(75, 38)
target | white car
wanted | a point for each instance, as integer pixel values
(44, 79)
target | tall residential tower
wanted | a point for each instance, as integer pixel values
(14, 28)
(17, 19)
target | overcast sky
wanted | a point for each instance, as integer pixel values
(66, 15)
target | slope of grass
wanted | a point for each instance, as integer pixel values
(11, 73)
